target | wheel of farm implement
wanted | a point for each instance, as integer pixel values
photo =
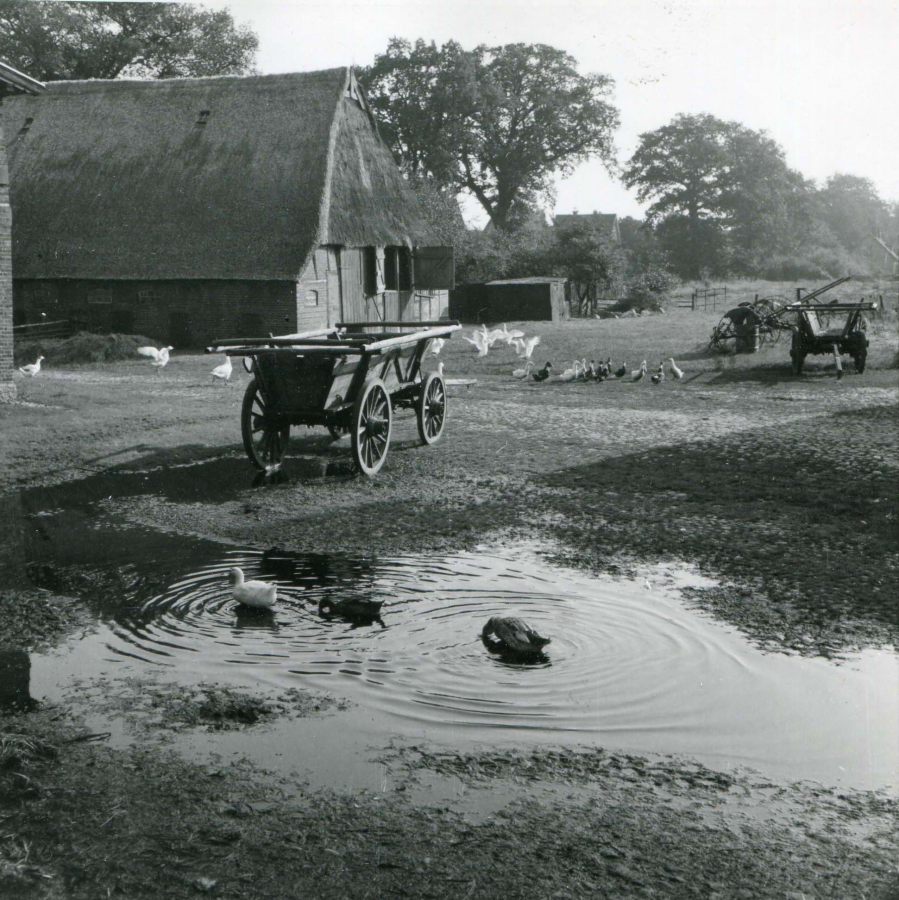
(264, 439)
(431, 409)
(724, 336)
(372, 418)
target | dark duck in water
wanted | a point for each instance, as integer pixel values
(512, 634)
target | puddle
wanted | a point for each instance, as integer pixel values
(629, 666)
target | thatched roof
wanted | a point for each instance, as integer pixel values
(230, 178)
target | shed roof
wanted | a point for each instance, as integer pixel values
(214, 178)
(548, 279)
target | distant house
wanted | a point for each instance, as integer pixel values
(606, 223)
(512, 300)
(12, 82)
(198, 208)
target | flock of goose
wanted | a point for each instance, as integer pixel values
(160, 359)
(482, 339)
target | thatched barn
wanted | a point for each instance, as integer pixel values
(12, 82)
(198, 208)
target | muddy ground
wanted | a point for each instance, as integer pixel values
(784, 489)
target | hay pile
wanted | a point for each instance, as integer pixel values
(83, 348)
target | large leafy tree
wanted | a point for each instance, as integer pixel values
(730, 186)
(853, 210)
(497, 122)
(58, 41)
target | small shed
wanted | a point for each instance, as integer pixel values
(11, 82)
(514, 299)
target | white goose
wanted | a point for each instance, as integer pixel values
(569, 374)
(223, 372)
(521, 374)
(509, 336)
(526, 348)
(675, 371)
(479, 340)
(437, 345)
(637, 374)
(257, 594)
(32, 368)
(160, 357)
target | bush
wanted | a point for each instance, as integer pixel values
(650, 289)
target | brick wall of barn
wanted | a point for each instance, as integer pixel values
(7, 388)
(180, 313)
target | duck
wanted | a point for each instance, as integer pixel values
(675, 371)
(542, 374)
(569, 374)
(223, 372)
(437, 345)
(621, 371)
(659, 376)
(32, 368)
(639, 373)
(257, 594)
(513, 634)
(521, 374)
(350, 607)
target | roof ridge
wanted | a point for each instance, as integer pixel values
(324, 206)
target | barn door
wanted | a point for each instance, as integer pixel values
(433, 269)
(352, 298)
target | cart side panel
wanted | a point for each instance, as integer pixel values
(295, 382)
(342, 388)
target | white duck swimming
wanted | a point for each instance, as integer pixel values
(513, 634)
(32, 368)
(257, 594)
(223, 372)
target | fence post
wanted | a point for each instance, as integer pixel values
(693, 302)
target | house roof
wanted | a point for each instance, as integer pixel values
(214, 178)
(605, 221)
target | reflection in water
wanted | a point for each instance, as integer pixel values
(15, 682)
(248, 618)
(515, 658)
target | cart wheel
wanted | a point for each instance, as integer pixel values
(431, 408)
(264, 441)
(372, 417)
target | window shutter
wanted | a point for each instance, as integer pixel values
(433, 269)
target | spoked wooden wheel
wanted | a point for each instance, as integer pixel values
(264, 439)
(431, 408)
(372, 418)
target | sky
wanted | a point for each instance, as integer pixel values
(820, 76)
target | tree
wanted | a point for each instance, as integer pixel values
(725, 181)
(58, 41)
(497, 122)
(589, 259)
(853, 210)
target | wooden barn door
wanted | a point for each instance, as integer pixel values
(352, 297)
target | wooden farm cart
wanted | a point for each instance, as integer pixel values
(348, 378)
(810, 336)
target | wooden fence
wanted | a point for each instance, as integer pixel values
(705, 298)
